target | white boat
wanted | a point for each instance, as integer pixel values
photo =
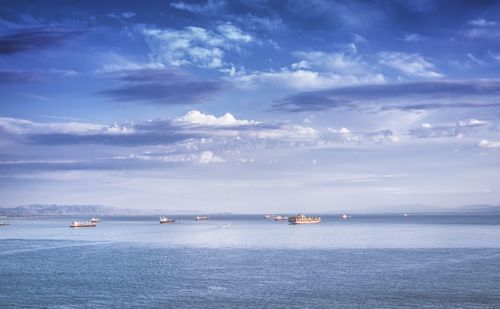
(345, 217)
(199, 218)
(164, 220)
(82, 224)
(406, 215)
(270, 217)
(280, 218)
(95, 220)
(4, 223)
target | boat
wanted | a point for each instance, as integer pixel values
(83, 224)
(301, 219)
(199, 218)
(4, 223)
(406, 215)
(270, 217)
(280, 218)
(95, 220)
(164, 220)
(345, 217)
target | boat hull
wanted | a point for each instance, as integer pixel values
(306, 222)
(167, 222)
(87, 225)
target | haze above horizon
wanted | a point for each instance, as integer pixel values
(246, 106)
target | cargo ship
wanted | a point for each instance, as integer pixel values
(199, 218)
(301, 219)
(164, 220)
(82, 224)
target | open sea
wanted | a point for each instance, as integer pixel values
(246, 261)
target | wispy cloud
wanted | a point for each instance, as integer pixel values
(161, 86)
(414, 95)
(412, 37)
(18, 77)
(210, 6)
(412, 65)
(481, 22)
(458, 129)
(195, 45)
(489, 144)
(37, 38)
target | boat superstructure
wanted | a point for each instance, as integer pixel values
(164, 220)
(302, 219)
(83, 224)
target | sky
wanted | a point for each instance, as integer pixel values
(250, 106)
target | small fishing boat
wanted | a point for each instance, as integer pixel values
(345, 217)
(164, 220)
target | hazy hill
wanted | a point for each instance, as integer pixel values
(482, 208)
(65, 210)
(83, 210)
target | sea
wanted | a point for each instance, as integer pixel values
(247, 261)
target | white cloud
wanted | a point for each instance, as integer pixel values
(458, 129)
(344, 135)
(210, 7)
(197, 117)
(412, 65)
(21, 126)
(194, 45)
(488, 144)
(487, 33)
(204, 157)
(413, 37)
(207, 157)
(234, 33)
(346, 62)
(480, 22)
(286, 133)
(301, 79)
(471, 122)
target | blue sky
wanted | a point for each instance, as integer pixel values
(250, 106)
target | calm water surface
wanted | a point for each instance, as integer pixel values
(371, 261)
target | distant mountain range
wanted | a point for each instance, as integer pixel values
(419, 208)
(482, 208)
(65, 210)
(98, 210)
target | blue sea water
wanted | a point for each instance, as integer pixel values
(371, 261)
